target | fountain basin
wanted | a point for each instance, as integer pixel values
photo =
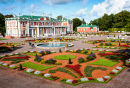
(47, 46)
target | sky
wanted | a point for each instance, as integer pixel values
(87, 9)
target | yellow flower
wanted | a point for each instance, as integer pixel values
(85, 59)
(43, 61)
(103, 44)
(82, 51)
(45, 53)
(58, 63)
(113, 44)
(88, 53)
(39, 54)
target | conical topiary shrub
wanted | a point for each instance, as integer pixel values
(70, 61)
(20, 67)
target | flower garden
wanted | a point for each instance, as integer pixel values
(110, 43)
(71, 67)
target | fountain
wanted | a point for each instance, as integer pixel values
(53, 44)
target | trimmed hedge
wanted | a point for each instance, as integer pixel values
(118, 29)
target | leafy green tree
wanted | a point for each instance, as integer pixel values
(104, 22)
(83, 21)
(59, 17)
(120, 19)
(76, 22)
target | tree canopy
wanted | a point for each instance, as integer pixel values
(119, 20)
(2, 22)
(76, 22)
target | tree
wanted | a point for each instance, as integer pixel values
(2, 22)
(59, 17)
(70, 61)
(76, 22)
(104, 22)
(120, 19)
(83, 21)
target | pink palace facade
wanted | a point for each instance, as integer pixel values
(29, 26)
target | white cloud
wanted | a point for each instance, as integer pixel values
(9, 8)
(56, 2)
(81, 12)
(34, 7)
(110, 6)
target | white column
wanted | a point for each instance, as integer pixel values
(38, 32)
(28, 28)
(19, 29)
(32, 32)
(43, 30)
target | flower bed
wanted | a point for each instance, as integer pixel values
(40, 74)
(21, 57)
(103, 80)
(88, 70)
(104, 54)
(8, 65)
(116, 71)
(63, 70)
(125, 45)
(75, 68)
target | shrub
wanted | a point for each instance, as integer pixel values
(58, 63)
(60, 50)
(43, 61)
(20, 67)
(85, 59)
(52, 71)
(70, 61)
(51, 61)
(90, 57)
(80, 60)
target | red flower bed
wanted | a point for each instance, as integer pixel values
(23, 57)
(90, 79)
(104, 54)
(75, 68)
(104, 79)
(53, 77)
(42, 74)
(74, 81)
(125, 45)
(2, 43)
(112, 73)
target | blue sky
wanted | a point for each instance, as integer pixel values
(87, 9)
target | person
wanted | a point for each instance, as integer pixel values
(32, 45)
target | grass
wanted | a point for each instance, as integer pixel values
(36, 66)
(64, 57)
(33, 54)
(2, 39)
(104, 62)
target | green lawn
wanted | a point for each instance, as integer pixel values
(104, 62)
(33, 54)
(36, 66)
(2, 39)
(64, 57)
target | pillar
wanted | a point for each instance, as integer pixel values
(38, 32)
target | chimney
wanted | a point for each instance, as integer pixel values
(32, 14)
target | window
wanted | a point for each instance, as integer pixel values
(41, 23)
(10, 23)
(32, 24)
(37, 23)
(13, 23)
(23, 23)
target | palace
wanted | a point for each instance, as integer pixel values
(29, 26)
(88, 28)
